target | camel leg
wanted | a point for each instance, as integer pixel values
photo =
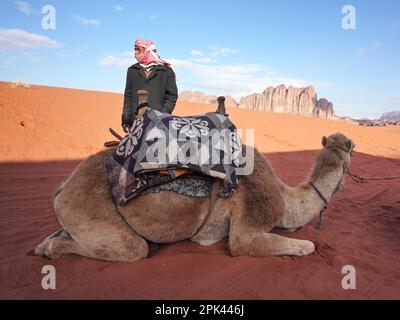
(98, 234)
(254, 241)
(56, 246)
(61, 243)
(56, 234)
(95, 229)
(105, 240)
(111, 244)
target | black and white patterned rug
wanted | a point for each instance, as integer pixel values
(206, 145)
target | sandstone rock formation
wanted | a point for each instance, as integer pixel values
(324, 109)
(200, 97)
(291, 100)
(393, 115)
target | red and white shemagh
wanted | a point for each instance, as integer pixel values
(150, 56)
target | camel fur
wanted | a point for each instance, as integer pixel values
(93, 227)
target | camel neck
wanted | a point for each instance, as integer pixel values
(303, 203)
(328, 184)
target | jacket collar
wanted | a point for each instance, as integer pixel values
(157, 67)
(153, 72)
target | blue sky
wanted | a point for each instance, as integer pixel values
(215, 46)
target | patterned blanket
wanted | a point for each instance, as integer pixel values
(159, 146)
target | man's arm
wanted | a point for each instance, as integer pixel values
(128, 103)
(171, 93)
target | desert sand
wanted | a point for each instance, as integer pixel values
(47, 131)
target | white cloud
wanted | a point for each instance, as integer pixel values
(216, 51)
(212, 70)
(120, 61)
(150, 17)
(205, 59)
(73, 52)
(24, 7)
(117, 7)
(228, 51)
(35, 59)
(224, 79)
(17, 39)
(86, 22)
(196, 53)
(235, 80)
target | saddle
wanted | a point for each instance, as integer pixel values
(179, 153)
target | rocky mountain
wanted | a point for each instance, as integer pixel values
(348, 119)
(277, 99)
(391, 115)
(291, 100)
(200, 97)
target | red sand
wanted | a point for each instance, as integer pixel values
(361, 226)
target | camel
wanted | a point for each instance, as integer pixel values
(93, 226)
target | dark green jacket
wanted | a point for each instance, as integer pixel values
(160, 85)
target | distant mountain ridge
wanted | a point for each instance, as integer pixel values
(201, 97)
(276, 99)
(291, 100)
(392, 115)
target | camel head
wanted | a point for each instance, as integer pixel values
(341, 149)
(336, 153)
(339, 141)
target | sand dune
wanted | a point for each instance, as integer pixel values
(46, 131)
(48, 123)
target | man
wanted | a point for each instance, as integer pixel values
(152, 74)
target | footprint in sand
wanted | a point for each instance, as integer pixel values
(328, 254)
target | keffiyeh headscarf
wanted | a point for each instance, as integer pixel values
(150, 57)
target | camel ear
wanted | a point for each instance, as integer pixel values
(349, 145)
(324, 140)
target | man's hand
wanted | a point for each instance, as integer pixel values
(125, 127)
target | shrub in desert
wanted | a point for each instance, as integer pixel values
(20, 84)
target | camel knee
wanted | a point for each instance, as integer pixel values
(127, 249)
(240, 245)
(136, 249)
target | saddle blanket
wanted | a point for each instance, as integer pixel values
(161, 147)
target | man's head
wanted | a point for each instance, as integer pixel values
(141, 45)
(139, 50)
(146, 53)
